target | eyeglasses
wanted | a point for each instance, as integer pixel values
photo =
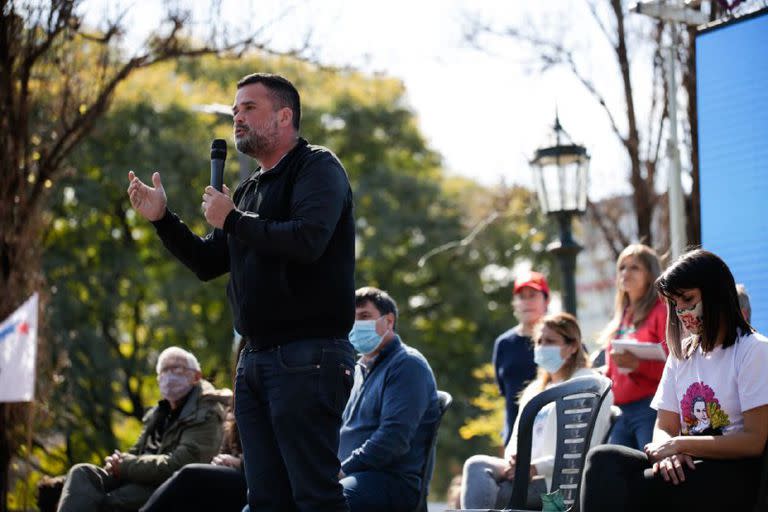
(175, 369)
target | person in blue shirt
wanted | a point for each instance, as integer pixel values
(513, 349)
(391, 412)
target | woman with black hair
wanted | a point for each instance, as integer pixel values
(712, 405)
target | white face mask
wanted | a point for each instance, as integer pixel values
(174, 387)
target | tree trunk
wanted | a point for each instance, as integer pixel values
(693, 204)
(19, 276)
(643, 200)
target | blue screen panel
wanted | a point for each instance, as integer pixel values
(732, 103)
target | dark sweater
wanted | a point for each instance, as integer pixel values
(514, 366)
(390, 415)
(289, 247)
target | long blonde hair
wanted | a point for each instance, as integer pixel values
(566, 325)
(648, 259)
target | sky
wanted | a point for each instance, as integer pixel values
(484, 110)
(480, 109)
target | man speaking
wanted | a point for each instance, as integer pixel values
(287, 239)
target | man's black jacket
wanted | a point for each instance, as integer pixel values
(289, 247)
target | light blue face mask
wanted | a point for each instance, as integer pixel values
(364, 337)
(548, 357)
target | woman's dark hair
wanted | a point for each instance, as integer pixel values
(706, 271)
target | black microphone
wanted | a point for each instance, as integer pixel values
(218, 156)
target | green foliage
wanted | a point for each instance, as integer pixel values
(118, 297)
(491, 421)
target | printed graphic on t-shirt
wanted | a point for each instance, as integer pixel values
(702, 414)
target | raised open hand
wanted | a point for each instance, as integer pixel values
(149, 201)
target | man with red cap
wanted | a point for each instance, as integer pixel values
(513, 350)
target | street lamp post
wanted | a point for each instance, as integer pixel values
(560, 173)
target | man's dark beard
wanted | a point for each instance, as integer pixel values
(253, 144)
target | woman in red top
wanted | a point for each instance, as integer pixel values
(639, 315)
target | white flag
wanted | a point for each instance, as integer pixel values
(18, 351)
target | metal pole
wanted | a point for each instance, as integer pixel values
(677, 236)
(566, 250)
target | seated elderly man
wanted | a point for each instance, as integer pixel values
(185, 427)
(391, 412)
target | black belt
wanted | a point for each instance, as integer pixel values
(249, 346)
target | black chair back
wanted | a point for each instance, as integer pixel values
(444, 400)
(577, 404)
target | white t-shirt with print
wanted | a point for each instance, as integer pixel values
(711, 391)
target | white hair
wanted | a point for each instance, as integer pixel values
(744, 304)
(189, 357)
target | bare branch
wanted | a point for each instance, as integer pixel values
(653, 156)
(658, 83)
(633, 137)
(599, 98)
(615, 238)
(460, 243)
(63, 19)
(113, 30)
(593, 9)
(551, 54)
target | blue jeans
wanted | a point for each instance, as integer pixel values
(288, 405)
(377, 491)
(634, 428)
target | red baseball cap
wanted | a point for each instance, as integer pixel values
(531, 279)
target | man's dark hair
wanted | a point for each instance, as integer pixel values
(706, 271)
(284, 94)
(380, 299)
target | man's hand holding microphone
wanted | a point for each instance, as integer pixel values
(151, 202)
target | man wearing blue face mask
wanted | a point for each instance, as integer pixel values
(391, 412)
